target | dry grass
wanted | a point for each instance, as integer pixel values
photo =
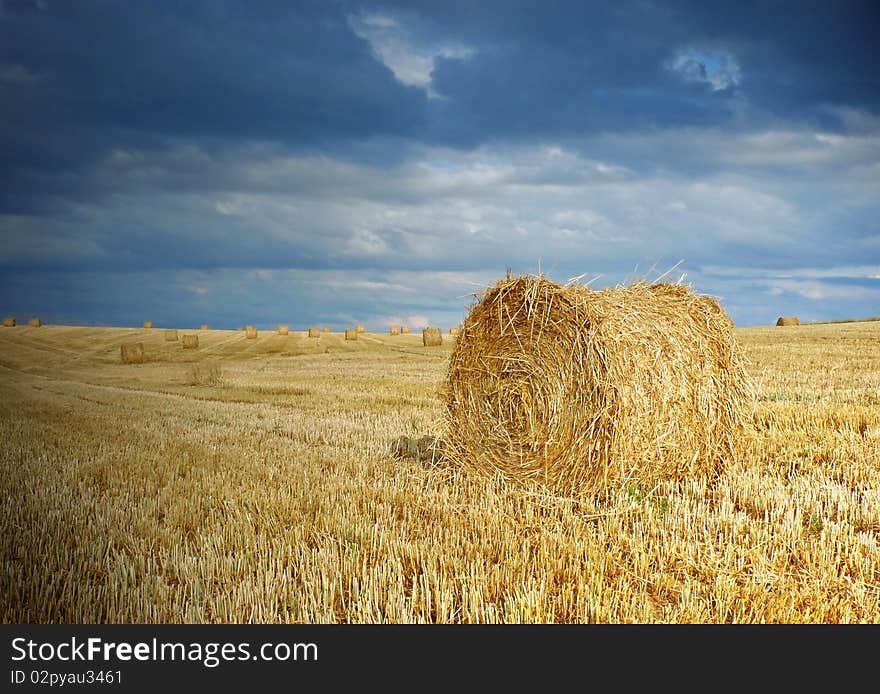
(207, 373)
(9, 322)
(432, 337)
(275, 497)
(351, 334)
(132, 353)
(170, 336)
(788, 320)
(191, 341)
(589, 391)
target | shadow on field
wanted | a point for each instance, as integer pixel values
(424, 449)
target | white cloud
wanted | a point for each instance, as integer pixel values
(715, 67)
(410, 62)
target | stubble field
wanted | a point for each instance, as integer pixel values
(253, 481)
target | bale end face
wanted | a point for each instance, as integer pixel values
(251, 332)
(351, 334)
(586, 391)
(132, 353)
(432, 337)
(314, 332)
(190, 341)
(788, 320)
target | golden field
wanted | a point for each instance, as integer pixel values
(251, 480)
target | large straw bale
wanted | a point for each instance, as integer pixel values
(191, 341)
(351, 334)
(148, 324)
(788, 320)
(594, 391)
(35, 322)
(432, 337)
(393, 330)
(9, 322)
(404, 329)
(283, 330)
(314, 332)
(170, 335)
(132, 353)
(250, 332)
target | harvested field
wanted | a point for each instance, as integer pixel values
(292, 480)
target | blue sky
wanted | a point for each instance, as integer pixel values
(337, 162)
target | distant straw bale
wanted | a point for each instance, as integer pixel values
(251, 332)
(35, 322)
(592, 391)
(314, 332)
(240, 328)
(361, 329)
(404, 329)
(788, 320)
(9, 322)
(351, 334)
(453, 331)
(170, 335)
(432, 337)
(283, 330)
(191, 341)
(326, 328)
(132, 353)
(393, 330)
(148, 324)
(204, 326)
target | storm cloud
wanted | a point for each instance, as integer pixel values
(173, 159)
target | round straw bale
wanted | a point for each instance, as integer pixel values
(590, 391)
(170, 335)
(132, 353)
(191, 341)
(326, 328)
(393, 330)
(314, 332)
(35, 322)
(432, 337)
(148, 324)
(788, 320)
(404, 329)
(204, 326)
(9, 322)
(351, 334)
(251, 332)
(283, 330)
(453, 331)
(361, 329)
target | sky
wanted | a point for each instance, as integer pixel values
(380, 163)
